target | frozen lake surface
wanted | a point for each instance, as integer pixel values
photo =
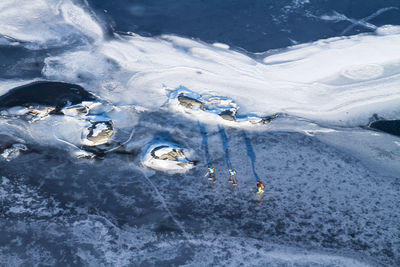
(112, 112)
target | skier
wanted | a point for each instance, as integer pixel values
(211, 174)
(232, 178)
(260, 187)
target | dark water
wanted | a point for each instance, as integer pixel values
(391, 127)
(55, 94)
(255, 26)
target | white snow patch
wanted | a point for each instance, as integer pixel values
(363, 72)
(154, 158)
(13, 152)
(82, 21)
(44, 23)
(342, 78)
(221, 45)
(99, 128)
(388, 30)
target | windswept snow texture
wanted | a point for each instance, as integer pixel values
(338, 81)
(129, 103)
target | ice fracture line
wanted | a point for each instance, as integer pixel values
(162, 200)
(363, 22)
(205, 143)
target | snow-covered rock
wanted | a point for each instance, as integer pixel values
(209, 107)
(167, 157)
(98, 133)
(13, 152)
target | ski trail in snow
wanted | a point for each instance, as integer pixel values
(251, 154)
(66, 142)
(205, 143)
(122, 144)
(164, 204)
(336, 17)
(363, 22)
(224, 139)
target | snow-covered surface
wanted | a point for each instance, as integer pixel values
(96, 127)
(207, 108)
(97, 133)
(332, 189)
(46, 23)
(340, 81)
(13, 151)
(166, 156)
(321, 206)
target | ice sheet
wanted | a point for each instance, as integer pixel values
(42, 23)
(340, 81)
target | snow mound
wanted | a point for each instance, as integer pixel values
(208, 107)
(167, 157)
(37, 101)
(31, 114)
(363, 72)
(98, 133)
(13, 152)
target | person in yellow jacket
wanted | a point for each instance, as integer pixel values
(260, 187)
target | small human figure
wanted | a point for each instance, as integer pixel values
(211, 174)
(260, 187)
(232, 178)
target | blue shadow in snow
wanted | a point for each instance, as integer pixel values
(251, 154)
(224, 139)
(205, 143)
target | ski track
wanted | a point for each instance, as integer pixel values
(251, 155)
(204, 143)
(225, 146)
(363, 21)
(314, 196)
(164, 204)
